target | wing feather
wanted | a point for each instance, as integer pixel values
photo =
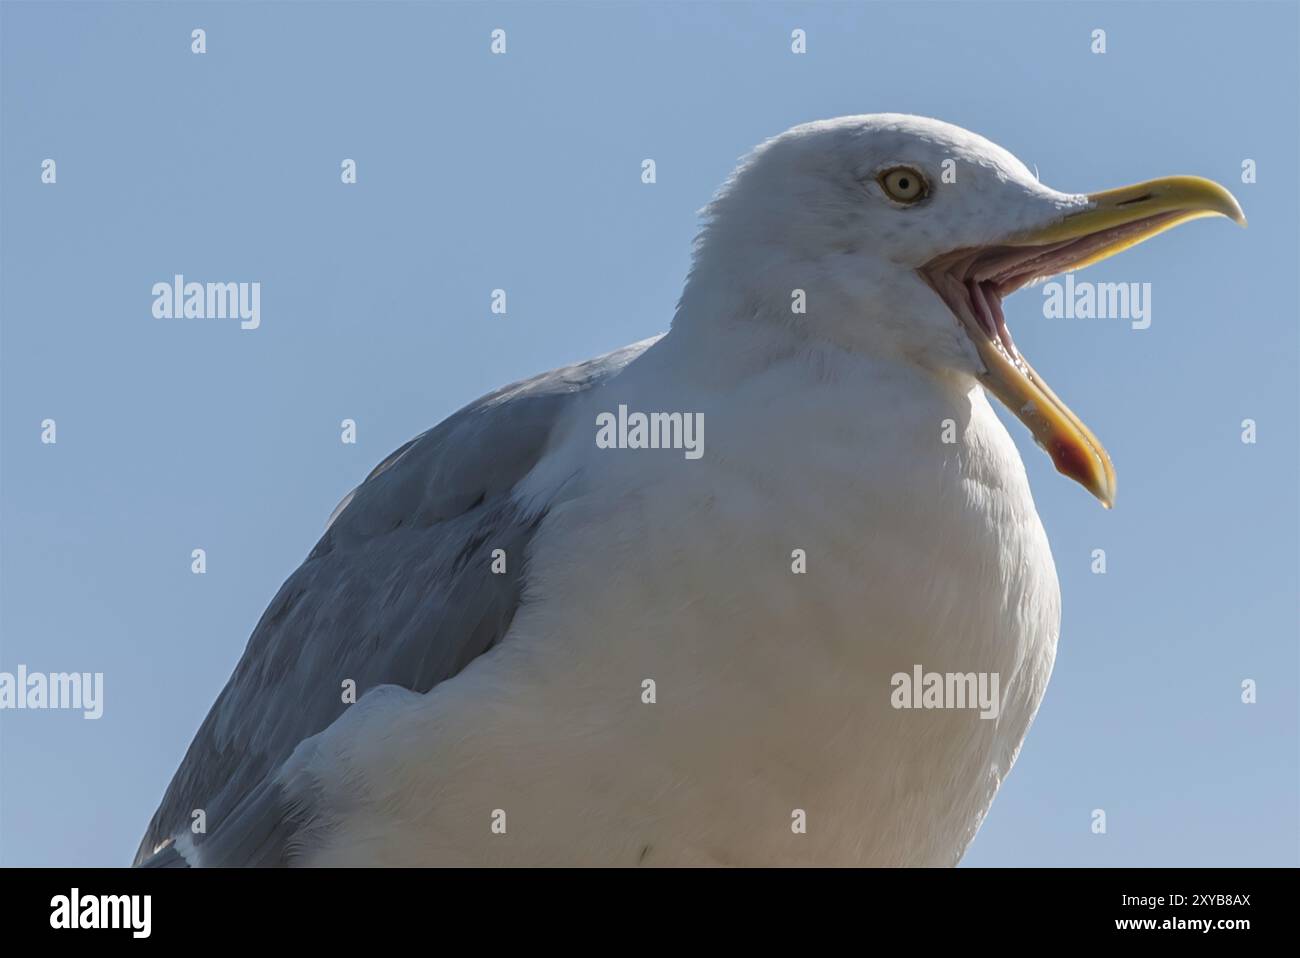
(398, 591)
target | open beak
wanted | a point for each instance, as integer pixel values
(974, 281)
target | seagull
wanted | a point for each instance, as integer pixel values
(520, 644)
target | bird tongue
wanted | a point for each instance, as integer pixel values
(987, 302)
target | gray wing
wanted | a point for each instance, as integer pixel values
(397, 591)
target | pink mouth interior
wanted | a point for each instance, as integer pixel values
(986, 300)
(989, 274)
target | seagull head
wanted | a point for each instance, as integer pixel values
(899, 236)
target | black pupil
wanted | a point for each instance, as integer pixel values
(902, 184)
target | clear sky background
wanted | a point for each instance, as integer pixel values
(523, 172)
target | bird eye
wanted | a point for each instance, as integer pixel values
(903, 184)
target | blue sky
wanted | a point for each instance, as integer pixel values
(523, 172)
